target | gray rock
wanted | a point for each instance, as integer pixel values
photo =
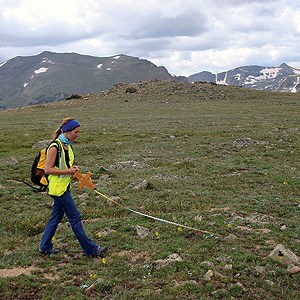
(244, 142)
(207, 263)
(160, 263)
(138, 184)
(11, 161)
(284, 255)
(142, 231)
(208, 275)
(42, 144)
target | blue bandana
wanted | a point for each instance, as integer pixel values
(70, 126)
(63, 139)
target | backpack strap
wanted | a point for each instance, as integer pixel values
(57, 144)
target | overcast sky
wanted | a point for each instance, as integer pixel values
(185, 36)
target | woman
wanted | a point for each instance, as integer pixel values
(59, 168)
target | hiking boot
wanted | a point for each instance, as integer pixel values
(53, 251)
(100, 252)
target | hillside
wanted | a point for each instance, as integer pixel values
(223, 160)
(49, 77)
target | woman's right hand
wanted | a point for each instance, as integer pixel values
(73, 170)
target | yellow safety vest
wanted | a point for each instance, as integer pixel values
(58, 184)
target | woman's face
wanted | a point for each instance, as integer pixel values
(73, 134)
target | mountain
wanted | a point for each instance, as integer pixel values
(282, 79)
(50, 77)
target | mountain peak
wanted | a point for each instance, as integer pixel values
(283, 78)
(50, 76)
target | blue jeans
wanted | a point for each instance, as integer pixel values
(64, 204)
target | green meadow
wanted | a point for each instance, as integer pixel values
(222, 160)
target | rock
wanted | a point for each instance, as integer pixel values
(244, 229)
(283, 227)
(104, 232)
(208, 275)
(12, 161)
(207, 263)
(83, 196)
(292, 269)
(182, 283)
(269, 282)
(271, 242)
(103, 180)
(238, 284)
(198, 218)
(227, 267)
(284, 255)
(244, 142)
(224, 258)
(219, 275)
(138, 184)
(160, 263)
(41, 144)
(260, 269)
(220, 293)
(116, 199)
(230, 237)
(142, 231)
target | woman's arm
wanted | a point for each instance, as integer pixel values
(50, 161)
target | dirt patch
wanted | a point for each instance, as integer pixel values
(220, 209)
(134, 257)
(17, 271)
(14, 272)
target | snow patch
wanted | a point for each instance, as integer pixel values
(117, 57)
(47, 60)
(222, 81)
(25, 84)
(99, 66)
(108, 69)
(296, 71)
(2, 64)
(41, 70)
(267, 73)
(237, 77)
(294, 89)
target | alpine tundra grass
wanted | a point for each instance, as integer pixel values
(221, 159)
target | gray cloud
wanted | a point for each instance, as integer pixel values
(190, 23)
(185, 36)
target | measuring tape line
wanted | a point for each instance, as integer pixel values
(149, 216)
(85, 180)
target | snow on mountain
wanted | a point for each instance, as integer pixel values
(282, 78)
